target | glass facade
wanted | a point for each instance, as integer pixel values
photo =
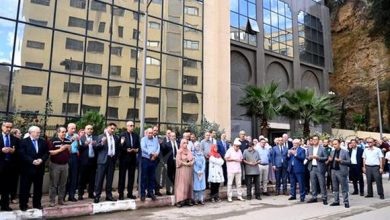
(277, 19)
(311, 39)
(84, 55)
(242, 12)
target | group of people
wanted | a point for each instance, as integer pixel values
(81, 161)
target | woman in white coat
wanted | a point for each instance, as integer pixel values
(215, 172)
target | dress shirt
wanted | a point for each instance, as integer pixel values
(373, 156)
(206, 146)
(111, 145)
(149, 146)
(264, 154)
(74, 145)
(353, 156)
(315, 152)
(91, 153)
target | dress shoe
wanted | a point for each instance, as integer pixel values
(80, 198)
(38, 207)
(354, 193)
(382, 197)
(91, 196)
(14, 201)
(302, 200)
(312, 201)
(201, 203)
(249, 198)
(335, 204)
(286, 193)
(153, 197)
(131, 197)
(110, 199)
(142, 198)
(61, 202)
(346, 205)
(292, 198)
(169, 193)
(325, 202)
(190, 203)
(361, 194)
(368, 196)
(158, 194)
(179, 205)
(52, 204)
(230, 200)
(258, 197)
(121, 197)
(240, 198)
(96, 200)
(6, 209)
(23, 209)
(72, 199)
(266, 194)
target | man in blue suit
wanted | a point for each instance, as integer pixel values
(296, 168)
(279, 165)
(223, 146)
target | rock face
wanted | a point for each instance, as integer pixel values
(359, 60)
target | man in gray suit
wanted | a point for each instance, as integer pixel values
(339, 164)
(316, 165)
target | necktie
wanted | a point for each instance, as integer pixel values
(7, 144)
(112, 146)
(131, 140)
(174, 149)
(91, 154)
(36, 145)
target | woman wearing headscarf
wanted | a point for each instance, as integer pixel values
(183, 178)
(215, 172)
(199, 174)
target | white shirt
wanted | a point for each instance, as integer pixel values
(388, 157)
(373, 156)
(111, 145)
(315, 152)
(174, 149)
(353, 156)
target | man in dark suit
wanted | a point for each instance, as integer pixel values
(356, 171)
(33, 154)
(286, 142)
(107, 150)
(130, 144)
(279, 165)
(8, 163)
(316, 165)
(296, 168)
(169, 151)
(87, 162)
(223, 146)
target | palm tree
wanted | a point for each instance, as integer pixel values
(262, 103)
(305, 105)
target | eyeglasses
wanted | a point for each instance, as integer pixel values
(131, 125)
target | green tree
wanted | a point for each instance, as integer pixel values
(97, 120)
(204, 126)
(263, 103)
(305, 105)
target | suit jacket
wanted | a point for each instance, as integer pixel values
(359, 156)
(320, 162)
(84, 149)
(124, 155)
(298, 160)
(28, 154)
(221, 148)
(279, 158)
(289, 144)
(167, 152)
(101, 149)
(14, 142)
(345, 161)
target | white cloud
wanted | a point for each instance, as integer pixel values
(10, 39)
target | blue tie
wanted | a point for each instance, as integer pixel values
(7, 144)
(35, 145)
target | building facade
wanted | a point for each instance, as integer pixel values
(86, 55)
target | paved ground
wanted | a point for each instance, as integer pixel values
(272, 207)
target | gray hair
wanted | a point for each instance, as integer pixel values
(33, 128)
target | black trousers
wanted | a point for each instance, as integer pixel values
(171, 171)
(356, 175)
(224, 169)
(87, 177)
(372, 173)
(26, 180)
(15, 181)
(207, 174)
(329, 184)
(255, 180)
(307, 180)
(214, 190)
(128, 167)
(73, 174)
(105, 171)
(6, 184)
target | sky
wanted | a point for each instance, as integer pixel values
(8, 9)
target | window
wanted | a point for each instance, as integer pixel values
(190, 80)
(135, 34)
(92, 89)
(38, 22)
(71, 87)
(112, 112)
(119, 11)
(93, 68)
(98, 6)
(102, 26)
(132, 113)
(72, 108)
(133, 53)
(154, 25)
(115, 70)
(133, 92)
(191, 11)
(81, 23)
(155, 81)
(190, 98)
(41, 2)
(35, 44)
(243, 24)
(190, 63)
(277, 19)
(88, 108)
(95, 46)
(78, 3)
(189, 44)
(116, 51)
(152, 100)
(152, 61)
(153, 43)
(72, 65)
(190, 118)
(135, 16)
(120, 31)
(114, 90)
(133, 72)
(32, 90)
(73, 44)
(34, 65)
